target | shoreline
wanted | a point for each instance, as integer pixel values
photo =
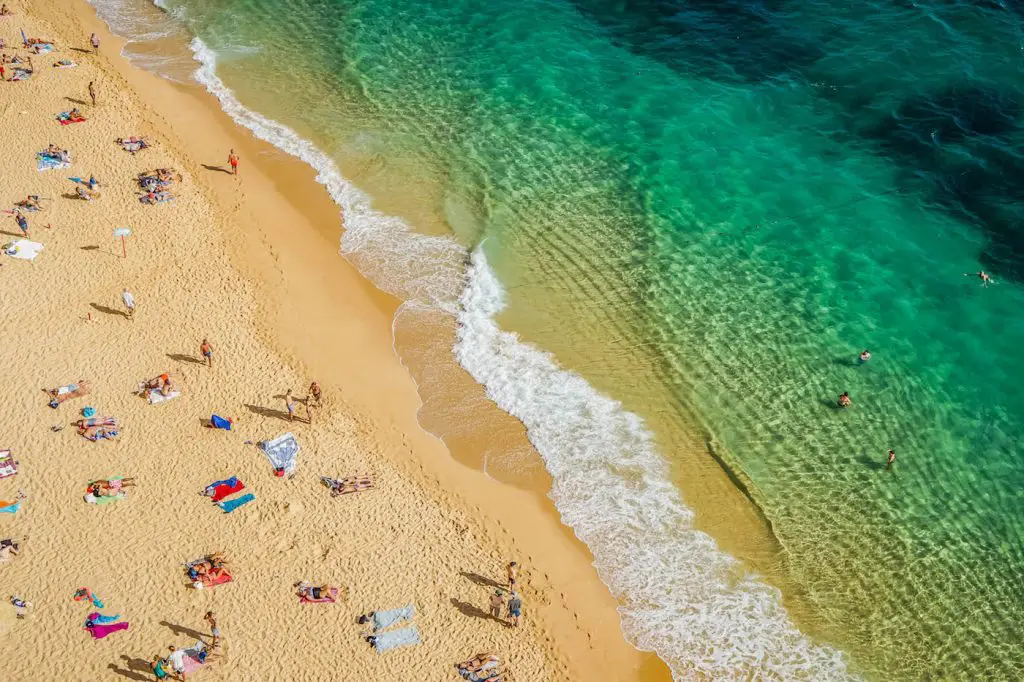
(284, 244)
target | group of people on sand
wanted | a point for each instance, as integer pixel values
(162, 384)
(314, 398)
(172, 666)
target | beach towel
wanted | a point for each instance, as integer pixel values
(133, 145)
(231, 505)
(96, 421)
(101, 631)
(156, 397)
(219, 578)
(344, 486)
(65, 64)
(42, 48)
(194, 657)
(221, 489)
(9, 507)
(47, 162)
(100, 619)
(282, 452)
(23, 249)
(104, 499)
(220, 423)
(85, 593)
(64, 118)
(387, 641)
(156, 198)
(333, 597)
(384, 619)
(98, 433)
(8, 467)
(21, 75)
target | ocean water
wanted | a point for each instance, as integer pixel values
(654, 213)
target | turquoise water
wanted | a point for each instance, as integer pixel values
(740, 197)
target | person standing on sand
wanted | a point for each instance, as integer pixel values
(233, 160)
(207, 350)
(129, 303)
(214, 630)
(95, 41)
(92, 93)
(892, 460)
(309, 410)
(314, 391)
(159, 667)
(511, 571)
(289, 403)
(515, 609)
(22, 224)
(497, 601)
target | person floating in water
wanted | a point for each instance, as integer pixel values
(892, 458)
(865, 356)
(983, 276)
(844, 400)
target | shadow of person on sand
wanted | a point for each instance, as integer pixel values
(76, 101)
(480, 580)
(82, 50)
(182, 630)
(108, 311)
(268, 412)
(473, 611)
(222, 169)
(181, 357)
(135, 669)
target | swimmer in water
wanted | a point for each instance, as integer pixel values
(983, 276)
(844, 400)
(865, 356)
(892, 458)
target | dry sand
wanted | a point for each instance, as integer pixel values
(233, 260)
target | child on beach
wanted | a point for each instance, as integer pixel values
(207, 350)
(511, 570)
(497, 601)
(233, 161)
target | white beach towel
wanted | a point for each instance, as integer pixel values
(23, 249)
(408, 636)
(156, 397)
(283, 452)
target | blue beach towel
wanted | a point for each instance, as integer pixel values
(220, 423)
(396, 638)
(227, 481)
(231, 505)
(47, 162)
(384, 619)
(11, 508)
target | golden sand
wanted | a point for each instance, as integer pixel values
(234, 260)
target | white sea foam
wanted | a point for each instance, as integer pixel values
(682, 597)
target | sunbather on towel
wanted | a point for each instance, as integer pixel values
(157, 197)
(132, 144)
(97, 433)
(62, 393)
(315, 592)
(110, 487)
(85, 194)
(162, 383)
(201, 568)
(8, 549)
(30, 203)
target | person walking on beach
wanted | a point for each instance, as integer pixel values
(289, 403)
(22, 224)
(159, 667)
(92, 96)
(207, 350)
(515, 608)
(129, 303)
(309, 410)
(314, 392)
(214, 630)
(233, 160)
(892, 459)
(497, 601)
(511, 571)
(95, 41)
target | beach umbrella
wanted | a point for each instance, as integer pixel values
(122, 232)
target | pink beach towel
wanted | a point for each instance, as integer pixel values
(190, 665)
(101, 631)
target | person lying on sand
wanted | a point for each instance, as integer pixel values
(86, 194)
(161, 383)
(351, 484)
(478, 662)
(315, 592)
(206, 566)
(8, 549)
(31, 203)
(111, 487)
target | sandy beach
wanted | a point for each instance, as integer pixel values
(250, 263)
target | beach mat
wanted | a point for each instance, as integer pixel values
(101, 631)
(408, 636)
(385, 619)
(9, 507)
(44, 163)
(231, 505)
(104, 499)
(221, 489)
(23, 249)
(8, 467)
(283, 452)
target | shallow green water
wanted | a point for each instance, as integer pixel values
(747, 195)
